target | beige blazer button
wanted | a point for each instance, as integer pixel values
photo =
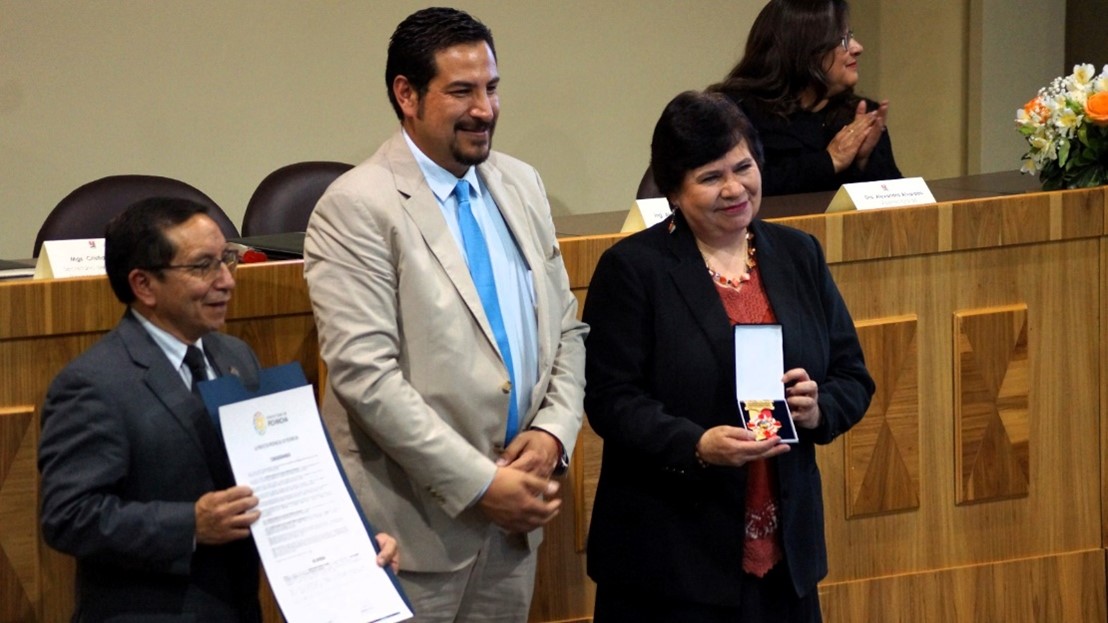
(506, 387)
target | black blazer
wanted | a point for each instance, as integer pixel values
(660, 370)
(126, 450)
(796, 158)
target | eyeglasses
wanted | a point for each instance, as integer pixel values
(207, 269)
(846, 39)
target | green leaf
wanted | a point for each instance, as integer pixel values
(1086, 178)
(1083, 135)
(1083, 158)
(1051, 182)
(1051, 176)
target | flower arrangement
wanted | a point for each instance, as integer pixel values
(1066, 127)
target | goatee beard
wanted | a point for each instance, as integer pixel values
(473, 159)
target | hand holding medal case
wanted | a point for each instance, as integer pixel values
(759, 366)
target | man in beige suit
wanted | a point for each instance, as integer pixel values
(454, 353)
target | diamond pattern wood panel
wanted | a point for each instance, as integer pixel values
(19, 589)
(991, 397)
(882, 451)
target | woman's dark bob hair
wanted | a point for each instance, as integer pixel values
(697, 128)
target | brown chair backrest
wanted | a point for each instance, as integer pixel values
(647, 188)
(284, 200)
(85, 212)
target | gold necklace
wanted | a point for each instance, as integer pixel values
(724, 280)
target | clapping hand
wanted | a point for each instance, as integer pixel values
(854, 143)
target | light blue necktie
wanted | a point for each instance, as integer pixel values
(480, 268)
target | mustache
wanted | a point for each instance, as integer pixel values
(474, 126)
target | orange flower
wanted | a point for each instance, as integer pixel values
(1096, 108)
(1034, 106)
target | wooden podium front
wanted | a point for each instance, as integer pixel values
(973, 490)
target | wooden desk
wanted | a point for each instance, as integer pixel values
(810, 204)
(974, 489)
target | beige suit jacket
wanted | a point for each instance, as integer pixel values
(418, 393)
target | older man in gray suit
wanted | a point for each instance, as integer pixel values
(449, 330)
(135, 480)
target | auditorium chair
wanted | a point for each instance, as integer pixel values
(647, 188)
(85, 212)
(284, 200)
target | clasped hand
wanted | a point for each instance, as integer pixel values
(519, 497)
(854, 143)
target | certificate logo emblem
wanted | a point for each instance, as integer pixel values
(260, 423)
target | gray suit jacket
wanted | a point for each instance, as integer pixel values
(126, 450)
(417, 396)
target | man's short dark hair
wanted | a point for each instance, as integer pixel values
(697, 128)
(419, 37)
(136, 239)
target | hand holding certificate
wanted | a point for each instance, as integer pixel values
(315, 546)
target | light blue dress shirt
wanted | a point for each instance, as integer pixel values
(514, 285)
(174, 349)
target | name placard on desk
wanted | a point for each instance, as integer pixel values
(645, 213)
(908, 191)
(58, 259)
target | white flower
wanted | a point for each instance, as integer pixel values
(1083, 75)
(1055, 104)
(1050, 124)
(1067, 121)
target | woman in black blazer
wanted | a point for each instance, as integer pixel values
(695, 520)
(798, 90)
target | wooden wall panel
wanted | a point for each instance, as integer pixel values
(27, 365)
(965, 225)
(1103, 299)
(991, 419)
(893, 556)
(1067, 587)
(19, 564)
(882, 451)
(940, 534)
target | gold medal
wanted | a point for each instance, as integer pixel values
(760, 420)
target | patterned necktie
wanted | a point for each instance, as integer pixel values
(480, 268)
(194, 359)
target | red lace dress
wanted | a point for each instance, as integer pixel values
(761, 546)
